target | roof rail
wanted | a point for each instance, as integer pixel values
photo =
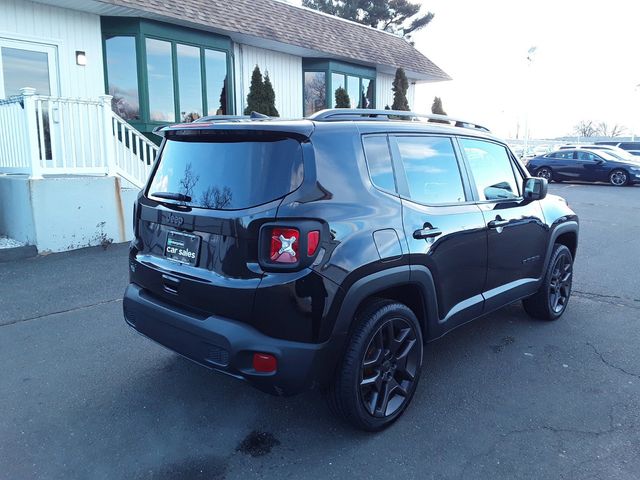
(337, 114)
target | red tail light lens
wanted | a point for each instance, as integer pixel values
(264, 362)
(313, 239)
(284, 245)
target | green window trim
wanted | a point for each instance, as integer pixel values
(333, 67)
(142, 29)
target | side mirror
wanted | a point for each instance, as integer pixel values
(535, 188)
(600, 161)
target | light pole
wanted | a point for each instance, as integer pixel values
(530, 54)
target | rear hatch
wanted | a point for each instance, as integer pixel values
(199, 217)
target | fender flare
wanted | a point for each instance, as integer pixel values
(569, 226)
(367, 286)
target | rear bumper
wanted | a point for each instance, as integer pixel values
(228, 346)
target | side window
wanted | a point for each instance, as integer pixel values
(586, 156)
(376, 149)
(491, 168)
(432, 169)
(568, 155)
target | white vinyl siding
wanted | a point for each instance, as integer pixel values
(68, 31)
(384, 94)
(285, 72)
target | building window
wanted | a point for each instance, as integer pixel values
(160, 81)
(215, 65)
(122, 76)
(163, 73)
(357, 80)
(315, 92)
(25, 68)
(189, 82)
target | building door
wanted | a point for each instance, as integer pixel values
(27, 64)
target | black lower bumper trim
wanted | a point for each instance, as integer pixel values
(227, 345)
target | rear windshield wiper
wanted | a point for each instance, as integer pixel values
(178, 197)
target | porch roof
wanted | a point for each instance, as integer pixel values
(280, 26)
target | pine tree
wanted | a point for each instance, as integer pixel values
(342, 98)
(223, 99)
(437, 109)
(270, 97)
(256, 97)
(437, 106)
(400, 87)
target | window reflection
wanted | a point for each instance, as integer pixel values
(315, 92)
(490, 162)
(432, 170)
(123, 76)
(379, 162)
(216, 71)
(353, 88)
(160, 78)
(337, 81)
(367, 93)
(25, 68)
(189, 82)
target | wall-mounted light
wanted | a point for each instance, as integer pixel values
(81, 58)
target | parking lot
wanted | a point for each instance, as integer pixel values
(83, 396)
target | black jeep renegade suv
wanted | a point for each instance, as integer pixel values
(328, 251)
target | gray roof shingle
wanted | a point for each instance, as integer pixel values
(301, 27)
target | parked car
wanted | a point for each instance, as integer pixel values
(585, 166)
(326, 252)
(631, 147)
(610, 149)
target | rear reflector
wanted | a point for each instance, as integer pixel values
(284, 245)
(264, 362)
(313, 239)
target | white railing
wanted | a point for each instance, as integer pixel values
(14, 150)
(42, 135)
(134, 153)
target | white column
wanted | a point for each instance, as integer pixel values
(31, 127)
(108, 152)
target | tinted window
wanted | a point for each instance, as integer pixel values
(585, 156)
(315, 92)
(228, 175)
(568, 155)
(492, 169)
(189, 82)
(431, 169)
(122, 74)
(215, 66)
(379, 162)
(160, 79)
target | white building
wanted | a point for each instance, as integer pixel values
(72, 158)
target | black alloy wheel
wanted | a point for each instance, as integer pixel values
(389, 368)
(544, 172)
(560, 284)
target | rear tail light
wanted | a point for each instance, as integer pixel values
(264, 362)
(285, 243)
(289, 247)
(313, 239)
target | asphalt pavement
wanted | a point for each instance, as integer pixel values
(82, 396)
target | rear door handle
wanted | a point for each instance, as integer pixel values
(498, 222)
(427, 232)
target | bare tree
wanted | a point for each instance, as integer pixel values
(586, 128)
(617, 130)
(605, 130)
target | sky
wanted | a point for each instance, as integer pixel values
(586, 65)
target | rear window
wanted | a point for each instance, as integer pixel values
(228, 174)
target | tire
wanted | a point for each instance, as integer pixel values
(383, 355)
(545, 172)
(551, 300)
(618, 178)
